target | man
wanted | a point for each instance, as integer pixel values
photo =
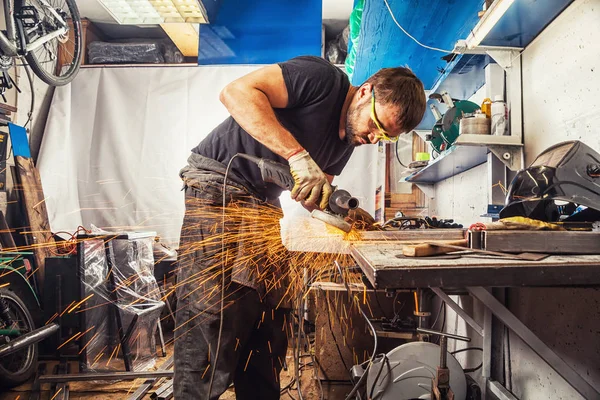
(304, 113)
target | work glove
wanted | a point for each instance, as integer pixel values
(361, 220)
(310, 183)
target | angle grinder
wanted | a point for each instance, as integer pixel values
(339, 203)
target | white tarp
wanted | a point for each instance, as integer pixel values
(116, 139)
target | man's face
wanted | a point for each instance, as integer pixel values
(361, 122)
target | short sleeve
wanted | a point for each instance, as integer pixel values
(308, 80)
(336, 168)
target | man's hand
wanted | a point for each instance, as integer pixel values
(361, 219)
(311, 184)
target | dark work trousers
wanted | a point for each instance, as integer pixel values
(253, 339)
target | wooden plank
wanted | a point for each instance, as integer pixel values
(185, 37)
(385, 270)
(549, 242)
(7, 107)
(6, 239)
(425, 235)
(33, 202)
(426, 249)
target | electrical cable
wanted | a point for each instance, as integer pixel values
(410, 36)
(438, 315)
(467, 370)
(398, 157)
(223, 259)
(387, 362)
(297, 347)
(466, 349)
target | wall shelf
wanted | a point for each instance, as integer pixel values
(469, 151)
(451, 162)
(518, 27)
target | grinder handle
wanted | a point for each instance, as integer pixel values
(272, 171)
(277, 173)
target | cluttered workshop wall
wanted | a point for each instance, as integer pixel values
(116, 139)
(561, 82)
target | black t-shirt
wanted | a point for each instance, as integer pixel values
(316, 93)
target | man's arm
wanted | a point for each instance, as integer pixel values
(250, 101)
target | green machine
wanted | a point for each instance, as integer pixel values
(446, 129)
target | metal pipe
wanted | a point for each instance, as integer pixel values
(443, 334)
(28, 339)
(443, 351)
(458, 310)
(8, 48)
(127, 376)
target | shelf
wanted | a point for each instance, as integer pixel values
(488, 140)
(451, 162)
(469, 151)
(523, 22)
(518, 27)
(461, 78)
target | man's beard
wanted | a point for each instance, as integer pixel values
(351, 137)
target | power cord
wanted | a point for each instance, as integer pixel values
(223, 259)
(467, 370)
(398, 157)
(411, 36)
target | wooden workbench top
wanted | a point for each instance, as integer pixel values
(386, 268)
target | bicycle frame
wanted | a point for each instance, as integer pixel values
(8, 42)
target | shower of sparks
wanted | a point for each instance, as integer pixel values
(244, 241)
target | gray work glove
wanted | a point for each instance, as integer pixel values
(311, 184)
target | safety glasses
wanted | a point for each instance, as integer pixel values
(382, 133)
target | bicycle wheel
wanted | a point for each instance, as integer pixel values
(65, 50)
(18, 367)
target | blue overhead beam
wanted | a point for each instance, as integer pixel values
(261, 32)
(436, 23)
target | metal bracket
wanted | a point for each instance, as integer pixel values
(511, 156)
(428, 189)
(564, 369)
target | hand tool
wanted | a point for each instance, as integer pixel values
(424, 249)
(279, 174)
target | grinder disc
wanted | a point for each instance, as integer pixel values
(332, 220)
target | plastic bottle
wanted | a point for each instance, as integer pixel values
(499, 117)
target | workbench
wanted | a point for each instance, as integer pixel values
(386, 268)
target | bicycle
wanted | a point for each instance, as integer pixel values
(37, 30)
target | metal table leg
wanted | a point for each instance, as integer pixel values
(546, 353)
(112, 286)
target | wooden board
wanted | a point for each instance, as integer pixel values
(185, 36)
(428, 249)
(385, 270)
(29, 186)
(548, 242)
(425, 235)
